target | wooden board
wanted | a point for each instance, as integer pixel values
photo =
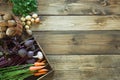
(85, 67)
(78, 7)
(65, 23)
(79, 42)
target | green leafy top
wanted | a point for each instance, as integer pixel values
(24, 7)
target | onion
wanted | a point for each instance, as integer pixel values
(28, 17)
(34, 15)
(27, 27)
(37, 20)
(23, 19)
(28, 22)
(32, 20)
(39, 55)
(29, 32)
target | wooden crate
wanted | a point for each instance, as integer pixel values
(50, 70)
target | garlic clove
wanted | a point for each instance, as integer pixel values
(39, 55)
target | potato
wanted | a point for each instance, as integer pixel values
(3, 28)
(10, 31)
(3, 23)
(2, 35)
(7, 16)
(11, 23)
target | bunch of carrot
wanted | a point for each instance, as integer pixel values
(23, 71)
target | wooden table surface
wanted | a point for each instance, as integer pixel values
(81, 38)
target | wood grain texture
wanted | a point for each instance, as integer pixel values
(65, 23)
(79, 42)
(78, 7)
(85, 67)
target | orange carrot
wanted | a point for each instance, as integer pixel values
(34, 68)
(42, 70)
(39, 73)
(39, 63)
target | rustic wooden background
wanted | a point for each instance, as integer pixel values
(81, 38)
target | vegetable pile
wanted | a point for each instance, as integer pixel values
(21, 59)
(10, 25)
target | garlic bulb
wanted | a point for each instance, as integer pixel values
(28, 17)
(34, 15)
(39, 55)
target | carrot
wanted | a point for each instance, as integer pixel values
(39, 63)
(34, 68)
(39, 73)
(42, 70)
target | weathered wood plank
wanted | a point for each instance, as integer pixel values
(79, 42)
(100, 74)
(78, 7)
(85, 67)
(65, 23)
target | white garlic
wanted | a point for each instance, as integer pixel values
(34, 15)
(28, 17)
(39, 55)
(28, 23)
(23, 19)
(27, 27)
